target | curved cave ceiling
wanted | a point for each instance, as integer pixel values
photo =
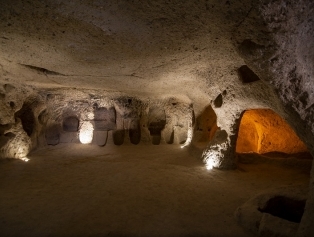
(206, 52)
(161, 47)
(229, 56)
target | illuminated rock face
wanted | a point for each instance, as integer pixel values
(263, 131)
(15, 143)
(49, 117)
(157, 50)
(86, 132)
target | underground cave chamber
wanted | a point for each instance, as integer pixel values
(70, 116)
(123, 108)
(79, 126)
(49, 118)
(54, 117)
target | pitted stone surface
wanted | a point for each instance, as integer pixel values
(173, 52)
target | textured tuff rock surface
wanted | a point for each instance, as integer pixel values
(159, 49)
(262, 214)
(52, 116)
(161, 64)
(276, 40)
(263, 131)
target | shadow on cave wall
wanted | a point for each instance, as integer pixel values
(27, 117)
(205, 127)
(156, 123)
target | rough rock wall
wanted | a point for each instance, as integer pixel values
(276, 41)
(175, 47)
(33, 118)
(129, 119)
(248, 136)
(228, 106)
(19, 106)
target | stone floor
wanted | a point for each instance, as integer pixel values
(128, 190)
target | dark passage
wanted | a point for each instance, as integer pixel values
(156, 123)
(285, 208)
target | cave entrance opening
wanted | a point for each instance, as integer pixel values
(263, 132)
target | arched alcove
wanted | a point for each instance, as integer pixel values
(118, 136)
(70, 124)
(263, 131)
(156, 123)
(86, 132)
(52, 134)
(135, 132)
(105, 119)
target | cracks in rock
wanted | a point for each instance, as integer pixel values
(47, 73)
(96, 76)
(42, 70)
(132, 75)
(245, 17)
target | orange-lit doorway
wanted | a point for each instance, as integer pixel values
(263, 131)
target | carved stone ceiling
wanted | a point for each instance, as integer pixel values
(175, 47)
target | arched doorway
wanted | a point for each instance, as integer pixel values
(263, 131)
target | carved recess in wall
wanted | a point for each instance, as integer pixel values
(116, 120)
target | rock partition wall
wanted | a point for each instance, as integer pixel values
(19, 128)
(115, 118)
(229, 106)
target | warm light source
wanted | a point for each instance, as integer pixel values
(189, 135)
(263, 130)
(24, 159)
(22, 151)
(86, 132)
(213, 155)
(209, 164)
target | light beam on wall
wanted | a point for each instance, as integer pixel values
(86, 132)
(209, 164)
(189, 134)
(24, 159)
(23, 150)
(213, 155)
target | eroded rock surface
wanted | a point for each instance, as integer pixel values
(263, 131)
(181, 56)
(274, 212)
